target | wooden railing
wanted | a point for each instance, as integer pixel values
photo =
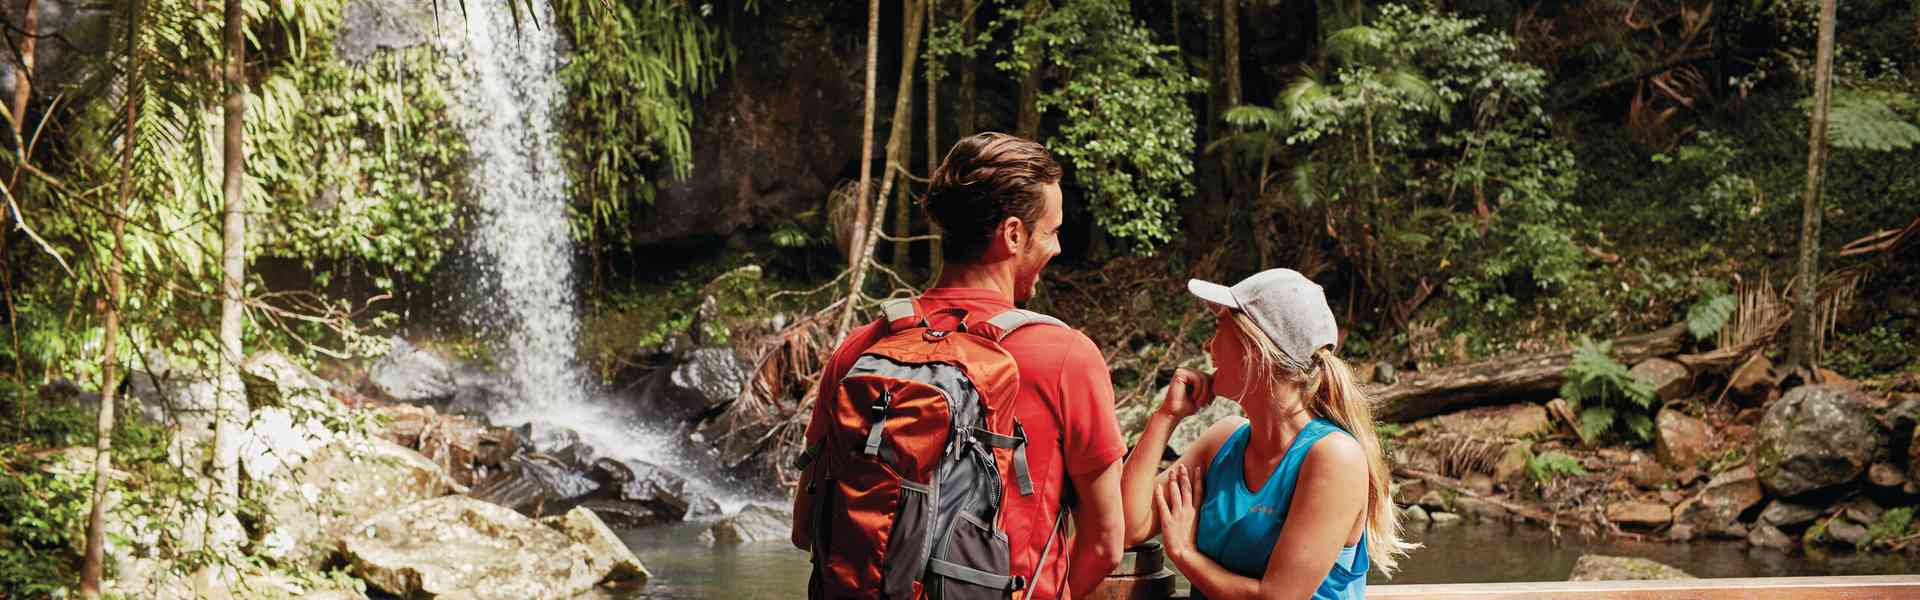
(1890, 587)
(1144, 575)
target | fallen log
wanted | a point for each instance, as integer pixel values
(1504, 379)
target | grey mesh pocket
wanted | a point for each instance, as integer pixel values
(974, 562)
(907, 545)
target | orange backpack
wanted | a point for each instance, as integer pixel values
(920, 450)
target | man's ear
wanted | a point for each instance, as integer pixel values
(1010, 237)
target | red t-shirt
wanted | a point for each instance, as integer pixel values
(1066, 401)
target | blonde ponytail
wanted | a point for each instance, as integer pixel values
(1330, 392)
(1335, 396)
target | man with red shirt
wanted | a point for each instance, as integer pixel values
(997, 200)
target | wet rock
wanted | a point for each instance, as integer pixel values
(752, 524)
(604, 548)
(1639, 515)
(704, 383)
(1595, 567)
(628, 515)
(1842, 530)
(1765, 535)
(461, 547)
(412, 375)
(369, 27)
(477, 391)
(1717, 509)
(534, 486)
(1862, 510)
(1475, 508)
(1681, 440)
(1680, 532)
(1434, 501)
(309, 509)
(1815, 437)
(1414, 514)
(1442, 519)
(1669, 379)
(1789, 516)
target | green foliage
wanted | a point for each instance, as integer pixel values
(385, 195)
(1709, 314)
(1418, 134)
(1605, 395)
(636, 67)
(1125, 126)
(1868, 120)
(1892, 524)
(1548, 466)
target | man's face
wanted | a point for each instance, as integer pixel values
(1041, 246)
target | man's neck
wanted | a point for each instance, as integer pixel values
(996, 277)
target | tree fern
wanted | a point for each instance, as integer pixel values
(1707, 316)
(1867, 120)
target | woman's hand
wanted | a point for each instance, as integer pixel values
(1177, 502)
(1190, 391)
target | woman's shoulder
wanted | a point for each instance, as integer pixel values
(1336, 448)
(1217, 434)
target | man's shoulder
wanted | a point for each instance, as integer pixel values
(1051, 343)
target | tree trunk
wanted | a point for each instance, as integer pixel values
(965, 121)
(231, 407)
(1803, 350)
(1028, 125)
(1230, 32)
(1504, 379)
(861, 198)
(22, 91)
(933, 151)
(896, 142)
(903, 208)
(92, 562)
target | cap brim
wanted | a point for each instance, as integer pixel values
(1213, 293)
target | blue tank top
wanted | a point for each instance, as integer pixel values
(1238, 527)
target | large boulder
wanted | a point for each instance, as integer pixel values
(1718, 509)
(535, 485)
(1789, 516)
(704, 383)
(1639, 515)
(1681, 441)
(604, 548)
(311, 507)
(752, 524)
(667, 494)
(1814, 437)
(1595, 567)
(413, 375)
(1669, 379)
(460, 547)
(274, 380)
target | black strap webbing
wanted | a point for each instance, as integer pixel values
(812, 452)
(977, 577)
(879, 423)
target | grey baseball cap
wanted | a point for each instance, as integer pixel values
(1289, 308)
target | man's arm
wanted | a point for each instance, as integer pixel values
(1099, 526)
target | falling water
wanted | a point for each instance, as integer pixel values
(520, 183)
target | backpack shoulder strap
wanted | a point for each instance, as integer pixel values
(901, 314)
(1008, 322)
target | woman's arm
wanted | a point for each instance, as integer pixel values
(1189, 392)
(1329, 497)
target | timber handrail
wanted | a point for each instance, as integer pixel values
(1798, 588)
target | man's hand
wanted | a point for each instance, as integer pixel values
(1190, 391)
(1177, 502)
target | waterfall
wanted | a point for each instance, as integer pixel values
(519, 182)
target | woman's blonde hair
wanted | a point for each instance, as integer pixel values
(1330, 392)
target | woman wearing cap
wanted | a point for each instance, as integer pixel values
(1291, 501)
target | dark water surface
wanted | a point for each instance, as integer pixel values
(684, 568)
